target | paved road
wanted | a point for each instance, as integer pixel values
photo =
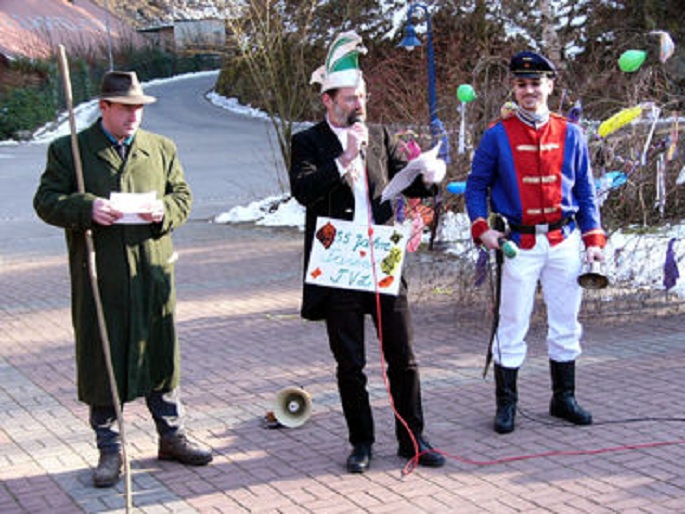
(229, 160)
(243, 341)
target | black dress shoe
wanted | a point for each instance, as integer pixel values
(359, 459)
(428, 457)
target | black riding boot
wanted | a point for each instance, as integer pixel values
(505, 392)
(563, 404)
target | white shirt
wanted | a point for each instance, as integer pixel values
(362, 215)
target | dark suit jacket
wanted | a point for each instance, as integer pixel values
(316, 183)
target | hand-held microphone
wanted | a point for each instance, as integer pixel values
(509, 248)
(356, 118)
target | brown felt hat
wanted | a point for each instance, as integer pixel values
(123, 87)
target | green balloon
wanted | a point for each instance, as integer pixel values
(466, 93)
(631, 60)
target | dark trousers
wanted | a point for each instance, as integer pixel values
(345, 324)
(164, 406)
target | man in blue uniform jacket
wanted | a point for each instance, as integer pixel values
(532, 168)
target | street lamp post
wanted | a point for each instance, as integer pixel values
(410, 41)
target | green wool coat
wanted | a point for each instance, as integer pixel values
(135, 263)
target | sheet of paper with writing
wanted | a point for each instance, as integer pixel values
(132, 204)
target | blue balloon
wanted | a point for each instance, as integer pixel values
(456, 188)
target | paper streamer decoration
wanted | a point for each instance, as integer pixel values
(417, 225)
(660, 201)
(666, 45)
(400, 213)
(465, 94)
(655, 113)
(672, 149)
(620, 119)
(607, 182)
(481, 267)
(681, 177)
(461, 148)
(671, 273)
(575, 113)
(508, 110)
(610, 180)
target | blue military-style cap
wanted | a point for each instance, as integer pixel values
(531, 65)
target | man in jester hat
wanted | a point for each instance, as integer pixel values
(340, 167)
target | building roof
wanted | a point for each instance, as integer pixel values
(33, 28)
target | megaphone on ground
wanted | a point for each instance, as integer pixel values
(292, 407)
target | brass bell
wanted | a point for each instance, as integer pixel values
(593, 276)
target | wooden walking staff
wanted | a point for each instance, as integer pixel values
(92, 271)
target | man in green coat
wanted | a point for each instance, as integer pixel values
(135, 196)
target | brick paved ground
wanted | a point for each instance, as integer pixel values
(238, 289)
(243, 341)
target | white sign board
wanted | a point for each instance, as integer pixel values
(344, 257)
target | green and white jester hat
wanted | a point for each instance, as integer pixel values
(342, 63)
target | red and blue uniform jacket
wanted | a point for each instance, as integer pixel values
(534, 177)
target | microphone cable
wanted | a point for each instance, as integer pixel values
(564, 453)
(623, 421)
(561, 424)
(379, 322)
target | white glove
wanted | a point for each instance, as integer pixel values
(594, 253)
(434, 171)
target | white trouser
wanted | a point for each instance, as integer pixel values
(557, 268)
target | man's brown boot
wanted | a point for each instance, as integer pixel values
(108, 472)
(180, 449)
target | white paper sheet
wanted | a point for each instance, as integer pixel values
(132, 204)
(404, 178)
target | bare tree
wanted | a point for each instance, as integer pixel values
(271, 47)
(550, 38)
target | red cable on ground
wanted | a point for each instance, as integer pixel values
(559, 453)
